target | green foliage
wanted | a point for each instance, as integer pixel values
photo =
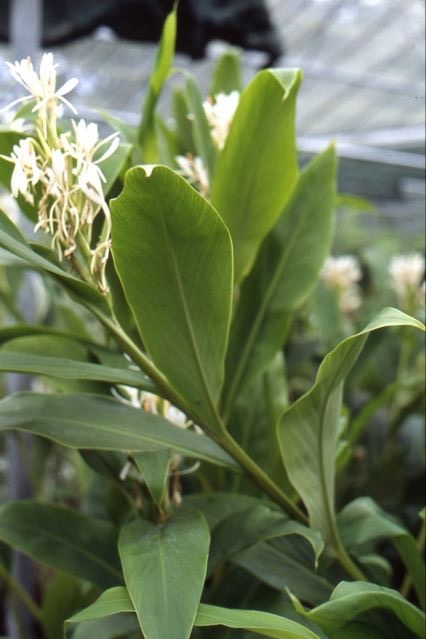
(184, 258)
(257, 170)
(167, 568)
(198, 458)
(63, 539)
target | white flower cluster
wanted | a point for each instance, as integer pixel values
(193, 169)
(220, 112)
(61, 170)
(407, 273)
(342, 274)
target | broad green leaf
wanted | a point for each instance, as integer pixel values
(254, 525)
(227, 73)
(351, 600)
(218, 506)
(257, 169)
(71, 369)
(13, 241)
(164, 569)
(117, 600)
(183, 125)
(16, 331)
(63, 539)
(265, 624)
(308, 430)
(157, 78)
(286, 563)
(285, 271)
(363, 521)
(253, 424)
(110, 602)
(100, 423)
(173, 255)
(154, 468)
(203, 142)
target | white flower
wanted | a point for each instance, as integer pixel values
(66, 166)
(220, 112)
(342, 275)
(193, 169)
(41, 86)
(407, 272)
(407, 279)
(26, 173)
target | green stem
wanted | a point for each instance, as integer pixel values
(220, 434)
(260, 478)
(348, 564)
(139, 358)
(17, 590)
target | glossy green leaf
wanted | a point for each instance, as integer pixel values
(157, 78)
(308, 430)
(110, 602)
(218, 506)
(286, 563)
(262, 623)
(154, 468)
(253, 423)
(203, 142)
(71, 369)
(254, 525)
(362, 521)
(13, 241)
(285, 271)
(338, 616)
(100, 423)
(63, 539)
(226, 74)
(257, 169)
(183, 130)
(117, 600)
(173, 255)
(164, 570)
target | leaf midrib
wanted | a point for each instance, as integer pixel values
(187, 317)
(90, 425)
(63, 367)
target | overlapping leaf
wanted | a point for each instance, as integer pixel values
(257, 170)
(307, 431)
(174, 258)
(164, 570)
(63, 539)
(286, 269)
(100, 423)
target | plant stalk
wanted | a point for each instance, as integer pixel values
(349, 565)
(17, 590)
(260, 478)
